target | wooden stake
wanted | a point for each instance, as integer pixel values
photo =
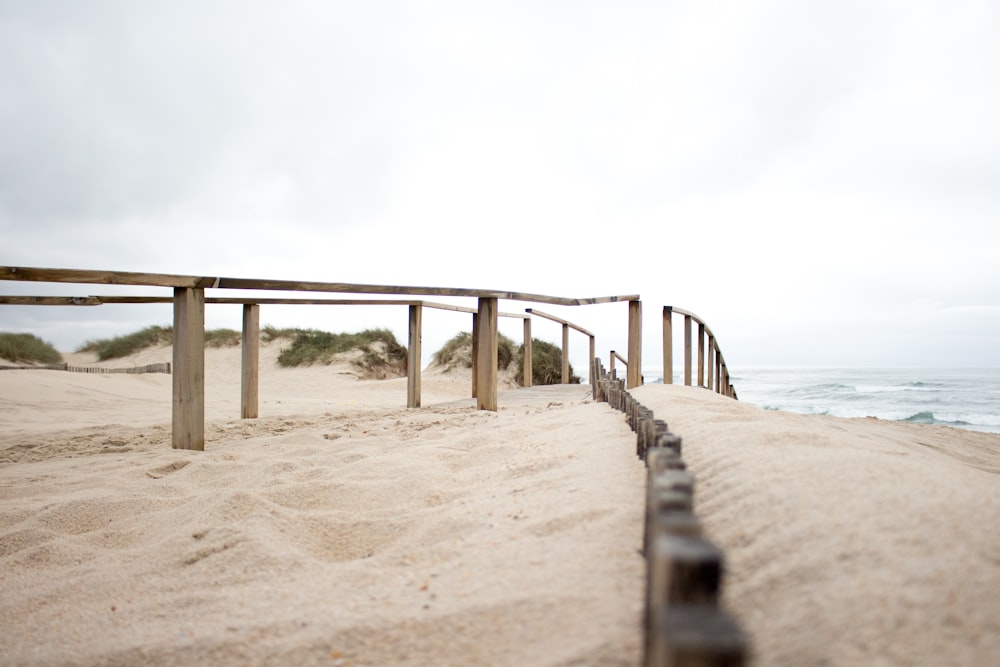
(486, 392)
(528, 370)
(634, 374)
(250, 362)
(668, 345)
(189, 369)
(565, 354)
(413, 357)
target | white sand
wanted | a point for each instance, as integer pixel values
(338, 531)
(343, 529)
(849, 541)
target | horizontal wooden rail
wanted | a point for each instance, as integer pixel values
(566, 326)
(576, 327)
(96, 300)
(712, 371)
(611, 362)
(85, 276)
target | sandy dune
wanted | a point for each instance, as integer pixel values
(333, 531)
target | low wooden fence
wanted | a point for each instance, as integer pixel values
(163, 367)
(683, 623)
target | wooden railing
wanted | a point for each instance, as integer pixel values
(189, 301)
(566, 326)
(711, 367)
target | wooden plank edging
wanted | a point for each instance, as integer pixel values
(683, 623)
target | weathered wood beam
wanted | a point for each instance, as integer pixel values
(711, 362)
(591, 378)
(413, 357)
(51, 301)
(687, 350)
(250, 363)
(565, 354)
(701, 354)
(668, 346)
(189, 369)
(96, 300)
(527, 370)
(35, 274)
(634, 376)
(475, 354)
(486, 393)
(577, 327)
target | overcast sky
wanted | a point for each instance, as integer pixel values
(819, 180)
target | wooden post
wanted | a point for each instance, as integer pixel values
(718, 372)
(611, 365)
(486, 392)
(691, 635)
(565, 354)
(701, 354)
(528, 370)
(668, 345)
(189, 369)
(593, 360)
(687, 350)
(475, 355)
(711, 362)
(634, 374)
(250, 385)
(414, 356)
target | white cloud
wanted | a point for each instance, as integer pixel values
(792, 172)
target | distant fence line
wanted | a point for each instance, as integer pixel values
(162, 367)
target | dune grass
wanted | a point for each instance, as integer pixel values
(223, 338)
(152, 336)
(457, 352)
(546, 364)
(546, 358)
(382, 355)
(27, 348)
(122, 346)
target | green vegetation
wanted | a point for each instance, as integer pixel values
(546, 364)
(382, 356)
(457, 352)
(122, 346)
(27, 348)
(223, 338)
(546, 358)
(269, 333)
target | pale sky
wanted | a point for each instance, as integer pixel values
(819, 180)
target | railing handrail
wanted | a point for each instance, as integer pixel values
(90, 276)
(98, 300)
(718, 373)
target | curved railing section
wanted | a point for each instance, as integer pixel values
(712, 372)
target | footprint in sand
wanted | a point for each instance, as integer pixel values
(162, 471)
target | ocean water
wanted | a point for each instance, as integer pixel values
(961, 397)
